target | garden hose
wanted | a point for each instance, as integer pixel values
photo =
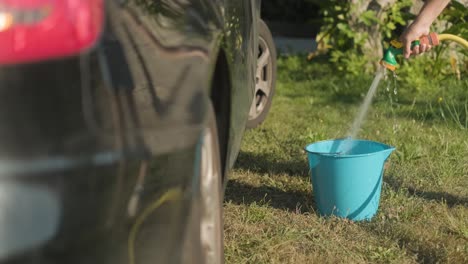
(454, 38)
(396, 47)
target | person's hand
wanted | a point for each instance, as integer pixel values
(412, 33)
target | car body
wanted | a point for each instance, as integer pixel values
(103, 105)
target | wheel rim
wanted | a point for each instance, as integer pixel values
(263, 80)
(211, 220)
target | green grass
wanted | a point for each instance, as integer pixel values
(270, 216)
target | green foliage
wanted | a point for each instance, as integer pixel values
(335, 29)
(447, 62)
(456, 20)
(456, 15)
(395, 16)
(349, 62)
(427, 74)
(270, 211)
(429, 70)
(346, 33)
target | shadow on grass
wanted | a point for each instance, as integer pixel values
(425, 252)
(270, 164)
(443, 197)
(243, 194)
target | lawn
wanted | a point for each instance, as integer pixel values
(270, 215)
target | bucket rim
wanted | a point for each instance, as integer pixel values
(327, 154)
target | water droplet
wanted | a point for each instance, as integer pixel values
(395, 76)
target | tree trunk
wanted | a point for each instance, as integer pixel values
(372, 48)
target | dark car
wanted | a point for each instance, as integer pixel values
(119, 121)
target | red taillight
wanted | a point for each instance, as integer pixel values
(32, 30)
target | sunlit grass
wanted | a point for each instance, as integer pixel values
(270, 216)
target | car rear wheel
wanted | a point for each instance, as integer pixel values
(205, 234)
(265, 77)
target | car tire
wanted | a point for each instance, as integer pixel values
(265, 77)
(204, 240)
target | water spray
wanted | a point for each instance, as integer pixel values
(396, 47)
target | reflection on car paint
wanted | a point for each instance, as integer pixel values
(29, 216)
(53, 164)
(115, 130)
(170, 195)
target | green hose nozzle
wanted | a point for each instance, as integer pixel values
(389, 57)
(396, 48)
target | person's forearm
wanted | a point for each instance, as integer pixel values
(430, 11)
(421, 26)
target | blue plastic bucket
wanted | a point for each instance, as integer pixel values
(347, 176)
